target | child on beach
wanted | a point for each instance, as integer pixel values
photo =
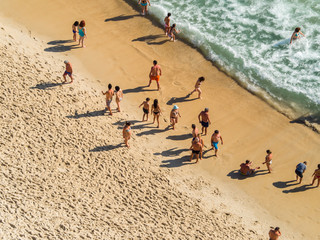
(82, 33)
(268, 161)
(167, 23)
(194, 131)
(145, 109)
(155, 108)
(119, 97)
(68, 71)
(109, 94)
(215, 140)
(171, 32)
(196, 148)
(126, 132)
(174, 114)
(204, 120)
(74, 30)
(197, 87)
(155, 74)
(316, 175)
(144, 6)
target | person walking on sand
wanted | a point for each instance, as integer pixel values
(195, 131)
(300, 169)
(167, 23)
(274, 233)
(82, 33)
(296, 34)
(268, 160)
(74, 30)
(204, 120)
(109, 94)
(155, 108)
(119, 97)
(215, 138)
(145, 109)
(68, 71)
(155, 74)
(174, 114)
(196, 149)
(316, 175)
(144, 6)
(126, 132)
(197, 87)
(171, 32)
(246, 170)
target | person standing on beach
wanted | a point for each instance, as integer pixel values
(155, 74)
(109, 94)
(215, 138)
(296, 35)
(68, 71)
(195, 131)
(174, 114)
(196, 148)
(202, 144)
(82, 33)
(316, 175)
(155, 108)
(167, 23)
(274, 233)
(145, 109)
(268, 161)
(197, 87)
(126, 132)
(119, 97)
(300, 169)
(204, 120)
(245, 168)
(74, 30)
(171, 32)
(144, 6)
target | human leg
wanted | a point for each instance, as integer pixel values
(158, 115)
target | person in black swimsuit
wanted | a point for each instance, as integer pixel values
(156, 111)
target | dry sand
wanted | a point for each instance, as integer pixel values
(121, 47)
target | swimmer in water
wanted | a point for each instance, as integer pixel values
(296, 35)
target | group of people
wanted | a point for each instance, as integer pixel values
(81, 30)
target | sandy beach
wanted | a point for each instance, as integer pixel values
(65, 173)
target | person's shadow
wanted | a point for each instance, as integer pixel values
(150, 39)
(105, 148)
(286, 184)
(180, 99)
(48, 85)
(300, 189)
(61, 46)
(138, 89)
(122, 17)
(88, 114)
(235, 174)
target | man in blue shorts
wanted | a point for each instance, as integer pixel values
(215, 138)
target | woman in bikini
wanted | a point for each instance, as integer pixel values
(144, 6)
(155, 108)
(126, 132)
(174, 114)
(74, 30)
(296, 35)
(316, 175)
(119, 96)
(82, 32)
(171, 32)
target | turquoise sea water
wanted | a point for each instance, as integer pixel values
(242, 38)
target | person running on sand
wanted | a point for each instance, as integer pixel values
(196, 148)
(316, 175)
(109, 94)
(171, 32)
(144, 6)
(195, 131)
(155, 73)
(204, 120)
(82, 33)
(145, 109)
(167, 23)
(174, 114)
(74, 30)
(300, 169)
(274, 233)
(68, 71)
(197, 87)
(296, 35)
(126, 132)
(268, 161)
(215, 138)
(245, 168)
(119, 97)
(155, 108)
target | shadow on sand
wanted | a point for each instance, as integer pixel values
(138, 89)
(134, 124)
(286, 184)
(235, 174)
(180, 137)
(180, 99)
(105, 148)
(150, 39)
(88, 114)
(60, 46)
(48, 85)
(177, 162)
(153, 131)
(299, 189)
(122, 18)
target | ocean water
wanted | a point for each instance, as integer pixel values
(246, 39)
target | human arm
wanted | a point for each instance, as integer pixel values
(302, 33)
(199, 117)
(221, 140)
(141, 104)
(160, 71)
(104, 93)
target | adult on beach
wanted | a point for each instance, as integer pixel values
(82, 32)
(196, 149)
(204, 120)
(195, 131)
(274, 233)
(174, 114)
(144, 6)
(68, 71)
(171, 32)
(74, 30)
(316, 175)
(167, 23)
(109, 94)
(197, 87)
(268, 160)
(300, 169)
(119, 96)
(296, 35)
(126, 132)
(155, 108)
(246, 170)
(215, 138)
(155, 73)
(202, 144)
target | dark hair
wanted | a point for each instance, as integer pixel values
(247, 161)
(277, 229)
(82, 23)
(147, 99)
(117, 88)
(297, 29)
(305, 162)
(155, 62)
(193, 126)
(109, 86)
(76, 23)
(201, 79)
(169, 14)
(268, 151)
(216, 131)
(128, 123)
(319, 166)
(155, 103)
(173, 25)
